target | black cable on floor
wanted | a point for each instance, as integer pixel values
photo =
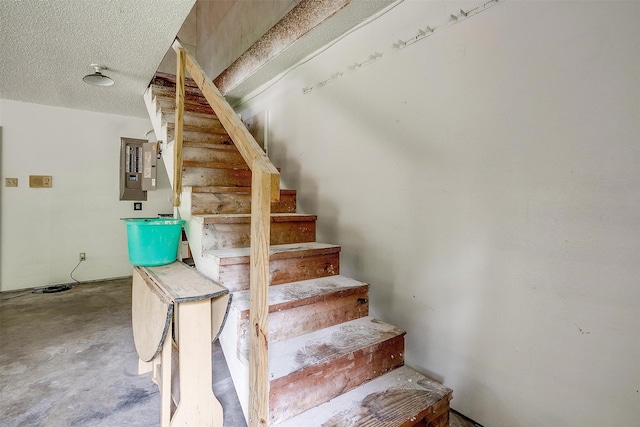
(49, 289)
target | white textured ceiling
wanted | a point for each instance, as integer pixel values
(46, 47)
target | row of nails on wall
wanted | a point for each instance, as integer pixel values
(401, 44)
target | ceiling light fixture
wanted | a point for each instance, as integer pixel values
(97, 78)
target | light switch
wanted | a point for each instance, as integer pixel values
(40, 181)
(11, 182)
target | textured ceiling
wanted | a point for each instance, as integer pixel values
(46, 47)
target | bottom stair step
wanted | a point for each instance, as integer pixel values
(313, 368)
(400, 398)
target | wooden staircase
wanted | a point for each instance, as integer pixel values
(330, 363)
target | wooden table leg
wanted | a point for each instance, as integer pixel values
(165, 382)
(198, 406)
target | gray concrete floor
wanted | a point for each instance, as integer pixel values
(68, 359)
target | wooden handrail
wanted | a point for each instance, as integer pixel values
(179, 125)
(265, 187)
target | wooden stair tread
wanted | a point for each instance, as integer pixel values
(304, 351)
(213, 165)
(322, 346)
(399, 398)
(305, 292)
(241, 255)
(218, 189)
(206, 129)
(246, 218)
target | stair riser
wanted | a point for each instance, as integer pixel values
(194, 120)
(296, 321)
(202, 177)
(236, 276)
(200, 105)
(225, 236)
(168, 89)
(201, 138)
(213, 155)
(227, 203)
(305, 389)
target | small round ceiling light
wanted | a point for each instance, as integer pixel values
(97, 78)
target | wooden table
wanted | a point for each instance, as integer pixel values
(176, 311)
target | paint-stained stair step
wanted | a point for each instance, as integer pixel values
(197, 138)
(302, 307)
(226, 200)
(192, 120)
(234, 230)
(210, 174)
(167, 82)
(166, 101)
(206, 176)
(287, 263)
(311, 369)
(400, 398)
(164, 98)
(204, 156)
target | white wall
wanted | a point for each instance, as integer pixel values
(485, 181)
(43, 230)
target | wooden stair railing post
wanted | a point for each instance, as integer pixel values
(177, 159)
(259, 297)
(265, 188)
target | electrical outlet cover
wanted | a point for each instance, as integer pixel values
(40, 181)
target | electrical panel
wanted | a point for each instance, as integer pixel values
(138, 160)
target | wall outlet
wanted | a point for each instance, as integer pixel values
(40, 181)
(83, 256)
(137, 206)
(11, 182)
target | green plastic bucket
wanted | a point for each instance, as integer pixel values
(153, 241)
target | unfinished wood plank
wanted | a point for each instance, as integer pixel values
(179, 125)
(197, 138)
(198, 177)
(201, 121)
(304, 352)
(225, 201)
(305, 292)
(241, 255)
(259, 286)
(197, 406)
(302, 307)
(199, 163)
(234, 230)
(400, 398)
(211, 155)
(291, 322)
(166, 101)
(165, 382)
(284, 270)
(329, 362)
